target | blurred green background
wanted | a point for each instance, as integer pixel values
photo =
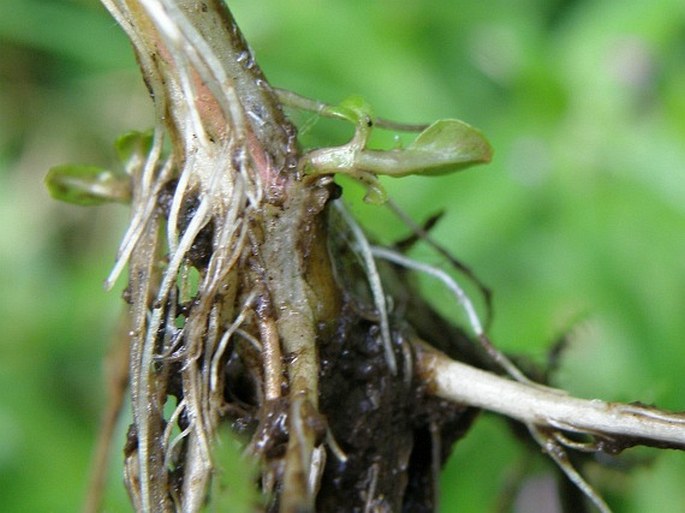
(578, 225)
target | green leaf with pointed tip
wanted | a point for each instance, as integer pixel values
(133, 148)
(446, 146)
(87, 185)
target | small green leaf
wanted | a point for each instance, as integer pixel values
(445, 146)
(133, 148)
(452, 142)
(375, 192)
(87, 185)
(353, 108)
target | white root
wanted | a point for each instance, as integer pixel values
(544, 406)
(546, 411)
(365, 251)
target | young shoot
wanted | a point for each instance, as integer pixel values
(446, 146)
(92, 185)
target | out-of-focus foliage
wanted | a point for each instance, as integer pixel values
(578, 224)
